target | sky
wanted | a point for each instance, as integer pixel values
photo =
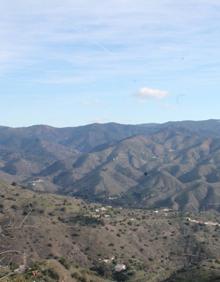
(69, 63)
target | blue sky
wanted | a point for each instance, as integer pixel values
(67, 63)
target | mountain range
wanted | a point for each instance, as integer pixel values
(172, 165)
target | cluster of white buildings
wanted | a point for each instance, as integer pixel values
(102, 212)
(208, 223)
(120, 267)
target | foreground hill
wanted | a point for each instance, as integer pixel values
(47, 237)
(175, 165)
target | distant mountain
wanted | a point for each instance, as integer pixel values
(175, 165)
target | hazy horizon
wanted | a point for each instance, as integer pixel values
(110, 122)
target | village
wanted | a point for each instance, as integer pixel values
(207, 223)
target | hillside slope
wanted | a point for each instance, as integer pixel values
(175, 165)
(89, 240)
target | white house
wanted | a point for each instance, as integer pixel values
(120, 267)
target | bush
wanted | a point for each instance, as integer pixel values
(52, 274)
(64, 262)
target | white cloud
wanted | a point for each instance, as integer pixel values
(151, 93)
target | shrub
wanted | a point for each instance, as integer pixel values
(64, 262)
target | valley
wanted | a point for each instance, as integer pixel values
(174, 165)
(110, 202)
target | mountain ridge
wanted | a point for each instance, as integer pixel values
(104, 161)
